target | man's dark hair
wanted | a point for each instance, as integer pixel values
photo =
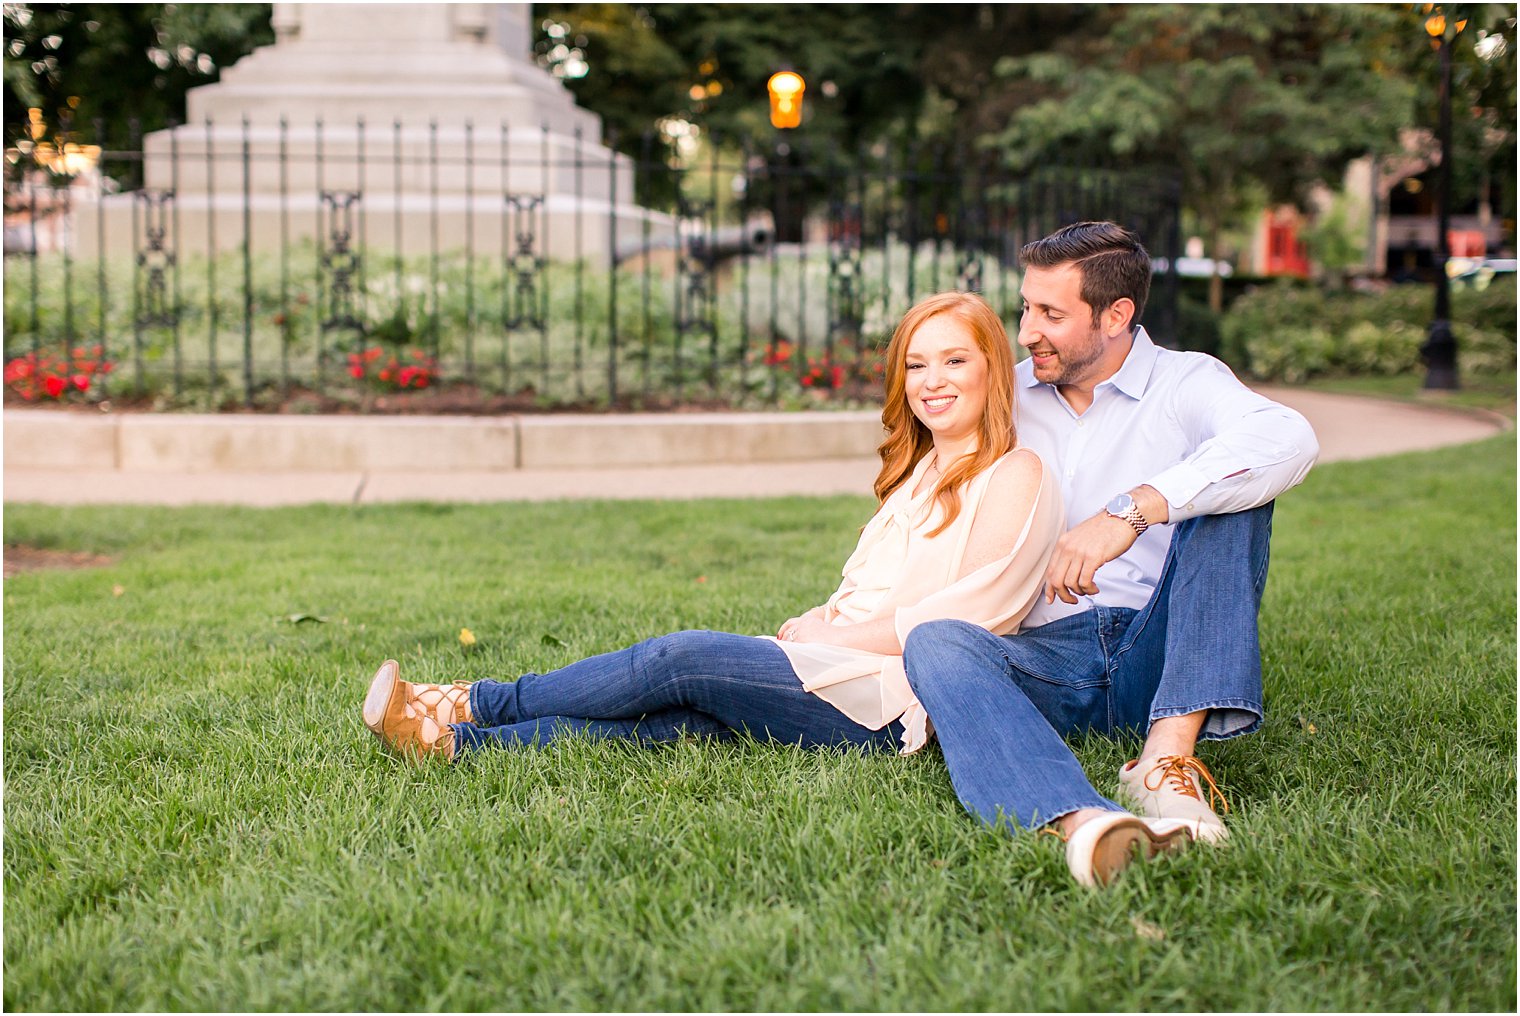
(1112, 260)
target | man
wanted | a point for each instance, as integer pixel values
(1168, 466)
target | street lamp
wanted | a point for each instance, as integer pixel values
(786, 88)
(1440, 349)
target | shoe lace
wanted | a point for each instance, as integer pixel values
(443, 704)
(1180, 771)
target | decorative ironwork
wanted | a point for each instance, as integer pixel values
(525, 264)
(968, 272)
(673, 267)
(696, 265)
(846, 310)
(156, 259)
(341, 261)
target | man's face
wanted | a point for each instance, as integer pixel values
(1057, 328)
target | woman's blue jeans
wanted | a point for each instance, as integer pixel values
(1001, 705)
(692, 682)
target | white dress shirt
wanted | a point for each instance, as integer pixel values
(1179, 422)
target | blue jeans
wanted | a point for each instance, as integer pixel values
(692, 682)
(1001, 705)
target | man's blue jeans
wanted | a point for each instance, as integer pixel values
(692, 682)
(1001, 705)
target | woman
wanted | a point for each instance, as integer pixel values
(966, 524)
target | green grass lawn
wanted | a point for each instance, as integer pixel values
(196, 819)
(1494, 392)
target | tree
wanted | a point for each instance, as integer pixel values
(1245, 101)
(708, 64)
(119, 62)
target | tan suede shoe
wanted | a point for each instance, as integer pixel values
(413, 719)
(1104, 846)
(1173, 787)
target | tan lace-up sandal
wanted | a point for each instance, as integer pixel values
(413, 719)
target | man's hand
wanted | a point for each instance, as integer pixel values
(1080, 552)
(1085, 548)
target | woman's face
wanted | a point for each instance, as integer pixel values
(945, 377)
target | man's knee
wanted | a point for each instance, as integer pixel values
(1234, 546)
(1248, 530)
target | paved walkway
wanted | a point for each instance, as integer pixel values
(1349, 427)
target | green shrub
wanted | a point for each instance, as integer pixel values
(1289, 331)
(1197, 326)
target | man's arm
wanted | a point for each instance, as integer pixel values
(1247, 450)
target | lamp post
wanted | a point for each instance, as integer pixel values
(1440, 349)
(786, 88)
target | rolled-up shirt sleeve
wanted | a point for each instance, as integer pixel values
(1249, 448)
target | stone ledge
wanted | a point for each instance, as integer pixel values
(596, 442)
(184, 443)
(35, 439)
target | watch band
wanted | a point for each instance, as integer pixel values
(1123, 507)
(1134, 518)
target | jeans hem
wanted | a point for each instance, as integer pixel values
(1236, 705)
(1103, 804)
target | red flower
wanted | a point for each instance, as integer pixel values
(807, 381)
(838, 376)
(81, 381)
(54, 385)
(385, 375)
(356, 371)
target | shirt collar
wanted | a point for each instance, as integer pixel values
(1133, 375)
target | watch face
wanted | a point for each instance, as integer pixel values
(1120, 504)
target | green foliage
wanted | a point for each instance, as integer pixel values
(1197, 326)
(1244, 100)
(652, 61)
(1290, 332)
(119, 62)
(195, 818)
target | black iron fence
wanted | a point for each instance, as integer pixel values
(247, 265)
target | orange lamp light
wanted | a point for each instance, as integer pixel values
(786, 88)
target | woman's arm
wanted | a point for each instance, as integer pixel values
(1006, 505)
(878, 636)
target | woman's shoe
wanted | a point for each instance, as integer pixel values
(413, 719)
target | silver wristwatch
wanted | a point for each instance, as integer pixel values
(1123, 507)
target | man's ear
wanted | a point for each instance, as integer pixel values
(1116, 318)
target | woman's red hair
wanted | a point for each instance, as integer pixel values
(908, 440)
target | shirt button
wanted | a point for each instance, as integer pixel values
(1079, 423)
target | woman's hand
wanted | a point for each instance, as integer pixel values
(809, 628)
(792, 628)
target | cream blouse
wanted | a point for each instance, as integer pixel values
(899, 571)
